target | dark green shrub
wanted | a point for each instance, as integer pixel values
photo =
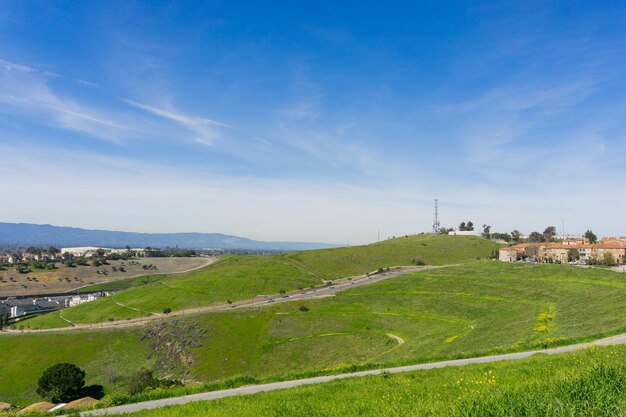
(145, 380)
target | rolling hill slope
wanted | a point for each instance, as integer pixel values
(241, 277)
(581, 384)
(468, 310)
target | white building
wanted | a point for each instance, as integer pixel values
(80, 299)
(465, 233)
(89, 251)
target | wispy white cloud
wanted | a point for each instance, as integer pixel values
(505, 131)
(26, 91)
(549, 99)
(273, 209)
(206, 130)
(12, 66)
(335, 145)
(87, 83)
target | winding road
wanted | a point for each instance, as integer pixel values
(253, 389)
(327, 290)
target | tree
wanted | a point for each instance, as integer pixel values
(502, 236)
(61, 382)
(591, 236)
(549, 233)
(533, 251)
(608, 259)
(573, 255)
(516, 235)
(486, 231)
(80, 261)
(34, 250)
(4, 320)
(466, 227)
(535, 237)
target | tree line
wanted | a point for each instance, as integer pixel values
(548, 234)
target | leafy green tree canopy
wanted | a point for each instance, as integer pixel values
(61, 382)
(549, 233)
(535, 237)
(591, 236)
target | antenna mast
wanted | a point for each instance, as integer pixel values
(436, 220)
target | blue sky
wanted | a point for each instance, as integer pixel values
(322, 121)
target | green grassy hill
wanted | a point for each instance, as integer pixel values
(467, 310)
(581, 384)
(108, 357)
(241, 277)
(432, 249)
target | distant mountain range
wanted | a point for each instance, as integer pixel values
(45, 235)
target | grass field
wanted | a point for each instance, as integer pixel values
(468, 310)
(124, 284)
(581, 384)
(432, 249)
(106, 356)
(241, 277)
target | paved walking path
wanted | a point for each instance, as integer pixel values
(253, 389)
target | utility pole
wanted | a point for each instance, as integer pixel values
(436, 220)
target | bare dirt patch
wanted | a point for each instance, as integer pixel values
(172, 343)
(65, 279)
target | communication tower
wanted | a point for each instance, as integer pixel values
(436, 220)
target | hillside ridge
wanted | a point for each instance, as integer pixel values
(46, 234)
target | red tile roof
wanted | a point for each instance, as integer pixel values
(613, 244)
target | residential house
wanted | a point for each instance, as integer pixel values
(519, 251)
(556, 253)
(574, 241)
(508, 254)
(578, 249)
(28, 257)
(614, 247)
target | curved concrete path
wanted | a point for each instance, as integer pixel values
(253, 389)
